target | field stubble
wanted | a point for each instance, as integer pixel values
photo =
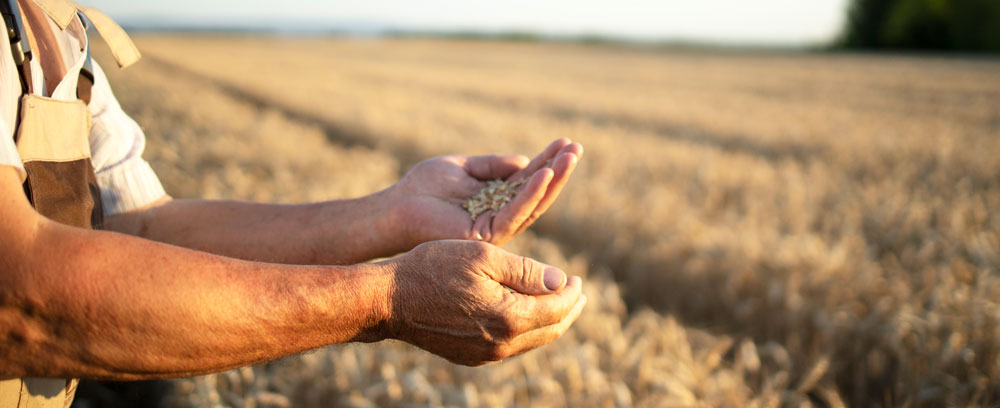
(757, 229)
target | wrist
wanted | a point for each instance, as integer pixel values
(373, 289)
(389, 308)
(398, 225)
(356, 230)
(386, 305)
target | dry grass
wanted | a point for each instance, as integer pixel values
(784, 229)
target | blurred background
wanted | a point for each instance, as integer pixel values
(964, 25)
(781, 203)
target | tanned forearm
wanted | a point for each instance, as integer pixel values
(78, 303)
(338, 232)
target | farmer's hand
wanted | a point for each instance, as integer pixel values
(430, 195)
(448, 299)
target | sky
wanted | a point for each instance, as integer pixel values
(737, 22)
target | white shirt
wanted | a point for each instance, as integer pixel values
(116, 141)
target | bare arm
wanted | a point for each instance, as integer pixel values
(424, 206)
(95, 304)
(337, 232)
(104, 305)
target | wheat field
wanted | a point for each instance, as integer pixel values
(754, 229)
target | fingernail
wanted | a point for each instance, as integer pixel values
(553, 278)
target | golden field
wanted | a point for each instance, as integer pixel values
(756, 229)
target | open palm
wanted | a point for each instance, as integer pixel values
(431, 193)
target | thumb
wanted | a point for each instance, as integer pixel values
(530, 277)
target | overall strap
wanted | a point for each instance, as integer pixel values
(85, 84)
(20, 46)
(122, 47)
(22, 51)
(62, 13)
(45, 47)
(15, 31)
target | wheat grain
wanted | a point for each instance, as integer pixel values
(496, 194)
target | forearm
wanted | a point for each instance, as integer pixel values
(337, 232)
(105, 305)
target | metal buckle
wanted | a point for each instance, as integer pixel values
(19, 45)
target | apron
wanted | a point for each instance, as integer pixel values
(53, 141)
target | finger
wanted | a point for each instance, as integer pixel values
(546, 310)
(527, 277)
(512, 215)
(541, 160)
(563, 166)
(547, 334)
(482, 227)
(574, 148)
(494, 166)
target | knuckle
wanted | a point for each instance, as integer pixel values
(490, 164)
(508, 327)
(553, 335)
(497, 352)
(522, 267)
(474, 253)
(553, 317)
(531, 271)
(478, 249)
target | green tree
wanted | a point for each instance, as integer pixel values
(963, 25)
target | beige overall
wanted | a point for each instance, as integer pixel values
(52, 138)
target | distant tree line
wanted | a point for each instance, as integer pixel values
(960, 25)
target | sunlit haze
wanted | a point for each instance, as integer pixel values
(762, 22)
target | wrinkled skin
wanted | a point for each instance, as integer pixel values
(449, 298)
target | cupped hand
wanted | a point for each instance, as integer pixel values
(472, 303)
(431, 194)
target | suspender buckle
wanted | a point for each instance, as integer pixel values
(19, 45)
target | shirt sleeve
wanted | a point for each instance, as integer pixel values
(8, 150)
(127, 182)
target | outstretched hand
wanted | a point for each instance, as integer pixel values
(430, 195)
(473, 303)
